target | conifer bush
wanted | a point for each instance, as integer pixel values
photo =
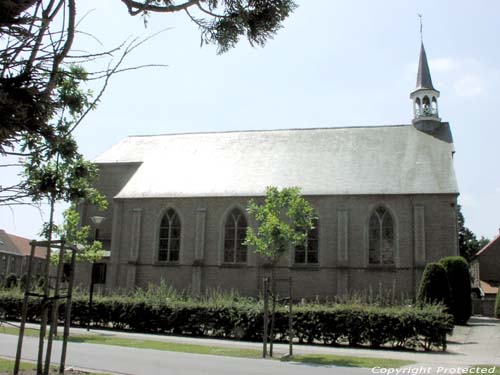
(435, 287)
(457, 270)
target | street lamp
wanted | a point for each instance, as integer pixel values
(96, 220)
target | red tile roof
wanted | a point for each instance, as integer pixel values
(23, 246)
(489, 287)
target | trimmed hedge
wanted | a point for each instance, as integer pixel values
(434, 287)
(354, 325)
(457, 270)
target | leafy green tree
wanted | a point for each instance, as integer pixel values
(283, 221)
(434, 286)
(457, 270)
(468, 243)
(56, 172)
(89, 250)
(37, 38)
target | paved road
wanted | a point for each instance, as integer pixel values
(151, 362)
(477, 343)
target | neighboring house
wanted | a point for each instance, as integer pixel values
(486, 268)
(14, 255)
(385, 196)
(11, 258)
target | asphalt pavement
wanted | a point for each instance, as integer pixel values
(475, 344)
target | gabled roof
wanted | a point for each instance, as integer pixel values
(6, 245)
(328, 161)
(424, 80)
(490, 245)
(19, 245)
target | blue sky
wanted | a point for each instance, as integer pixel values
(335, 63)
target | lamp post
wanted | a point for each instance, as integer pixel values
(96, 220)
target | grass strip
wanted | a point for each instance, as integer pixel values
(485, 369)
(347, 361)
(149, 344)
(7, 366)
(316, 359)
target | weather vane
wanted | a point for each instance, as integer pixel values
(421, 33)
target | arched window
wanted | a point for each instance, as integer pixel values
(381, 238)
(418, 107)
(307, 253)
(235, 230)
(434, 105)
(170, 237)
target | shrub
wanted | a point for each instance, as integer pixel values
(457, 270)
(348, 324)
(434, 287)
(11, 281)
(497, 305)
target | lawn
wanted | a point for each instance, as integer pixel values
(488, 369)
(347, 361)
(316, 359)
(7, 366)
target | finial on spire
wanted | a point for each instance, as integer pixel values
(421, 27)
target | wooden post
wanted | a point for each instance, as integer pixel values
(67, 319)
(290, 317)
(266, 315)
(273, 313)
(45, 309)
(91, 295)
(55, 305)
(24, 310)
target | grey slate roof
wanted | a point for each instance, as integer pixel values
(356, 160)
(424, 80)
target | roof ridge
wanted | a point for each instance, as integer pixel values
(270, 130)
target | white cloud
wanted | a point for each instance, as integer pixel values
(444, 64)
(468, 86)
(468, 200)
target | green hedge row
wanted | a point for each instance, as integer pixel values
(354, 325)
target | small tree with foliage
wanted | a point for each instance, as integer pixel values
(283, 221)
(457, 270)
(434, 286)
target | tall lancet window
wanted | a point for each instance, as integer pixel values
(307, 253)
(381, 238)
(170, 237)
(235, 230)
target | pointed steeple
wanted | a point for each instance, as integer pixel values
(424, 80)
(424, 97)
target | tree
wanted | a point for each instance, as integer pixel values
(283, 221)
(434, 286)
(457, 271)
(37, 38)
(468, 243)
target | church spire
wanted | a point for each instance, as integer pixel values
(424, 80)
(424, 97)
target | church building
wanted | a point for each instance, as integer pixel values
(385, 197)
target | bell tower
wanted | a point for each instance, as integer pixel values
(425, 97)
